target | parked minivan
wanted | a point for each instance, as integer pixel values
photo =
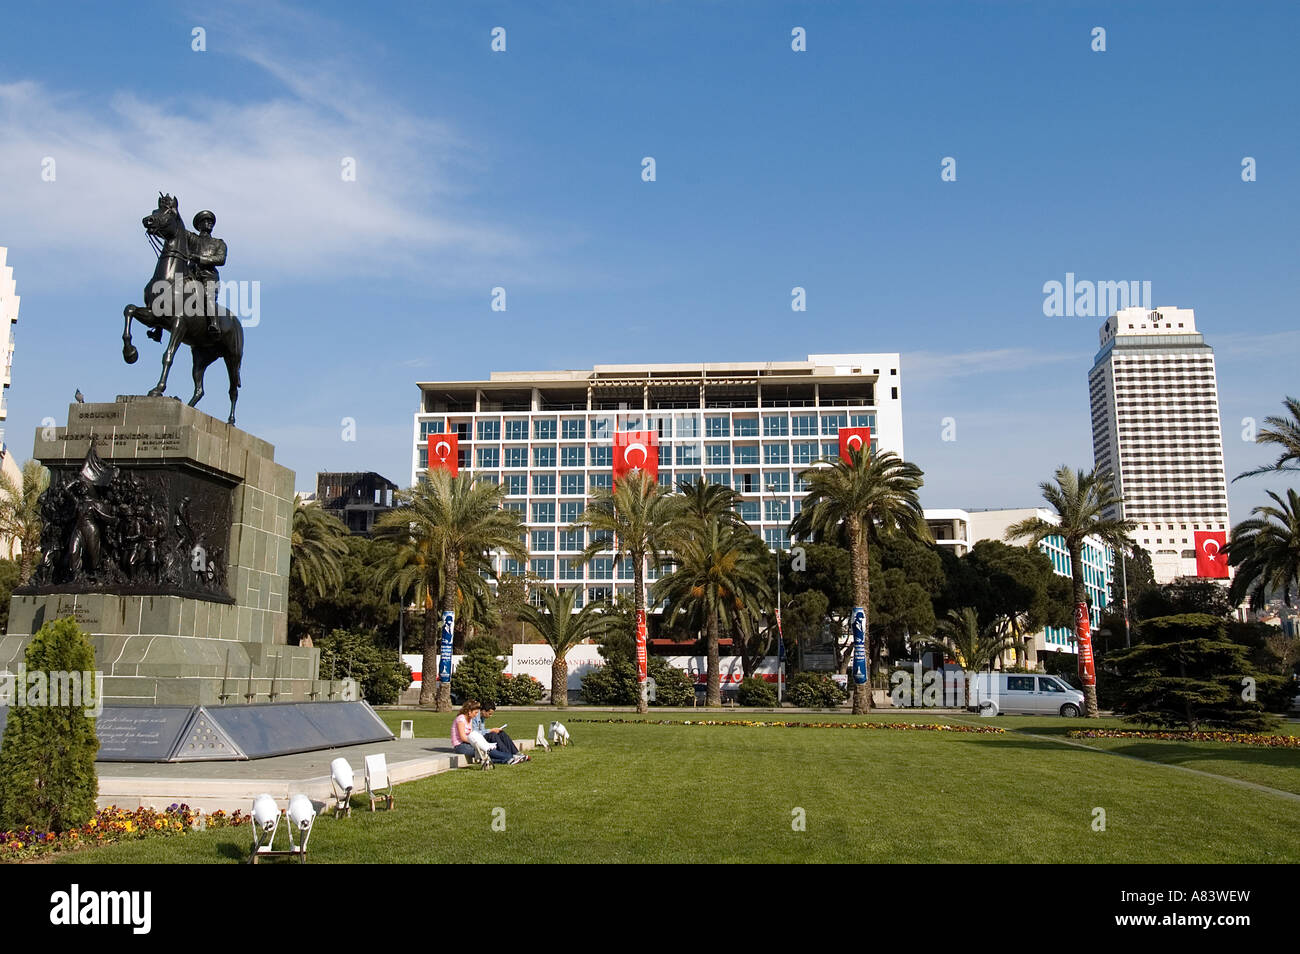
(994, 693)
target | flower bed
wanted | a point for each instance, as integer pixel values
(1237, 738)
(752, 724)
(111, 825)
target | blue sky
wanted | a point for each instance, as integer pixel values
(522, 169)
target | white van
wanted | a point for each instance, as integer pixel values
(994, 693)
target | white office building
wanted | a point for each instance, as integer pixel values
(548, 436)
(959, 531)
(1155, 426)
(8, 319)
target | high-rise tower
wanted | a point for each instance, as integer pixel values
(1155, 426)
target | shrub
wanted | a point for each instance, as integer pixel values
(520, 690)
(756, 692)
(47, 760)
(814, 690)
(380, 672)
(478, 676)
(673, 687)
(613, 684)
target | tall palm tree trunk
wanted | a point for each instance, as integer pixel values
(861, 597)
(443, 703)
(560, 681)
(713, 691)
(1081, 600)
(429, 667)
(638, 602)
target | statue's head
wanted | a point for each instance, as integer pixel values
(164, 219)
(205, 221)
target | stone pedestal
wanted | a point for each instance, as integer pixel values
(192, 609)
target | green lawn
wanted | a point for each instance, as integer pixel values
(645, 792)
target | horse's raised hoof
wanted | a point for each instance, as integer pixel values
(156, 392)
(231, 420)
(130, 354)
(154, 333)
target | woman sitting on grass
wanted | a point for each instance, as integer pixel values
(461, 728)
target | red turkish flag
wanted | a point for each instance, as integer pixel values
(641, 660)
(1083, 625)
(853, 439)
(1211, 561)
(444, 452)
(636, 450)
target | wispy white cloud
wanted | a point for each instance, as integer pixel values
(922, 366)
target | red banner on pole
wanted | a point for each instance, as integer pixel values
(642, 663)
(444, 452)
(1211, 561)
(1087, 671)
(636, 450)
(853, 439)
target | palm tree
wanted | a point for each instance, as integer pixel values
(1286, 434)
(975, 646)
(445, 529)
(632, 520)
(1266, 551)
(562, 629)
(701, 502)
(1080, 500)
(870, 493)
(20, 514)
(719, 574)
(318, 542)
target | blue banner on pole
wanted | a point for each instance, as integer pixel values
(444, 657)
(859, 645)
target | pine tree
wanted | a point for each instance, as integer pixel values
(47, 760)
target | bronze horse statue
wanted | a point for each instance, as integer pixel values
(177, 302)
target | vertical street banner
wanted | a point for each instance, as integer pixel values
(636, 450)
(444, 656)
(1211, 561)
(444, 452)
(859, 645)
(853, 439)
(642, 662)
(1087, 671)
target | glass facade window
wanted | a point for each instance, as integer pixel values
(775, 425)
(717, 426)
(545, 568)
(571, 483)
(599, 481)
(489, 457)
(517, 430)
(780, 479)
(422, 457)
(625, 569)
(862, 420)
(831, 423)
(602, 568)
(721, 479)
(602, 537)
(800, 486)
(543, 512)
(571, 541)
(492, 479)
(516, 456)
(831, 450)
(570, 510)
(776, 511)
(776, 453)
(489, 430)
(661, 424)
(543, 456)
(688, 425)
(511, 567)
(776, 538)
(543, 541)
(746, 454)
(748, 510)
(804, 452)
(687, 477)
(745, 427)
(717, 455)
(431, 427)
(688, 454)
(544, 429)
(573, 456)
(573, 429)
(599, 594)
(665, 478)
(570, 569)
(803, 425)
(746, 483)
(602, 455)
(517, 485)
(544, 485)
(602, 428)
(516, 505)
(665, 455)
